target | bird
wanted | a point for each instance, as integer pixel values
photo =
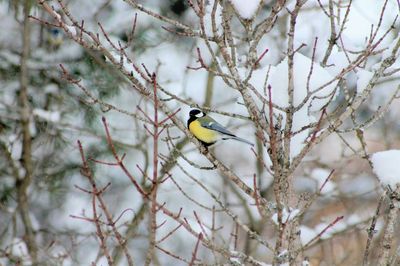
(55, 38)
(207, 130)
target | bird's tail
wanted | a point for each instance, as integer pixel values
(239, 139)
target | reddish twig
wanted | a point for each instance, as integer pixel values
(199, 60)
(312, 65)
(161, 224)
(371, 230)
(44, 22)
(122, 213)
(169, 117)
(169, 234)
(326, 180)
(87, 173)
(201, 225)
(261, 57)
(317, 128)
(119, 161)
(196, 249)
(256, 197)
(87, 219)
(172, 254)
(323, 231)
(107, 163)
(97, 194)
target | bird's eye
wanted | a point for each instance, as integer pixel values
(194, 112)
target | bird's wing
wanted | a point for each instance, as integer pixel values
(213, 125)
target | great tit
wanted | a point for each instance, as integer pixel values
(207, 130)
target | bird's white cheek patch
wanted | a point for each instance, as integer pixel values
(200, 115)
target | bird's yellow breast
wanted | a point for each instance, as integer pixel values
(206, 135)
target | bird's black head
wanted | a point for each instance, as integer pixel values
(196, 113)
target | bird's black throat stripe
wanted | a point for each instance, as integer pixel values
(190, 120)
